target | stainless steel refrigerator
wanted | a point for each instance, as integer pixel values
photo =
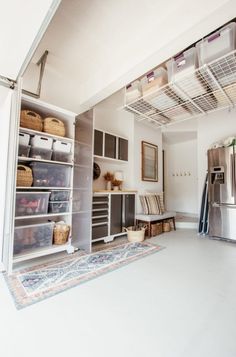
(222, 192)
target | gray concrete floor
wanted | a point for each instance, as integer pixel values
(179, 302)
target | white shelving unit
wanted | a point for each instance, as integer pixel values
(209, 88)
(68, 118)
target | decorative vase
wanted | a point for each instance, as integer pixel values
(108, 186)
(116, 188)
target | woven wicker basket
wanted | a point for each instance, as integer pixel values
(166, 226)
(156, 228)
(24, 176)
(61, 233)
(31, 120)
(54, 126)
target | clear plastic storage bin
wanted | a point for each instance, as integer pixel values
(50, 175)
(24, 150)
(182, 71)
(43, 142)
(59, 195)
(40, 153)
(183, 64)
(217, 45)
(32, 237)
(154, 80)
(58, 207)
(62, 146)
(24, 139)
(61, 156)
(133, 91)
(31, 203)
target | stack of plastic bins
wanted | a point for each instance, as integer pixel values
(41, 147)
(59, 201)
(133, 92)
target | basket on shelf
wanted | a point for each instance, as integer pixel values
(61, 233)
(24, 176)
(54, 126)
(166, 226)
(156, 228)
(31, 120)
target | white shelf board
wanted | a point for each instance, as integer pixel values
(35, 132)
(40, 252)
(29, 159)
(43, 188)
(207, 89)
(43, 215)
(103, 158)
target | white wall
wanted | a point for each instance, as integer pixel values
(212, 128)
(110, 118)
(5, 109)
(145, 133)
(180, 187)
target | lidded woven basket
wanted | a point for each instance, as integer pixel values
(60, 233)
(31, 120)
(24, 176)
(54, 126)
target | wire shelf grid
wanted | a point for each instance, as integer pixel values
(209, 88)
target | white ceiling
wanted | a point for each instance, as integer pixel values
(96, 47)
(20, 24)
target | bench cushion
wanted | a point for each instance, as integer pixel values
(155, 217)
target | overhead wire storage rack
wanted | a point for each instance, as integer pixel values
(209, 88)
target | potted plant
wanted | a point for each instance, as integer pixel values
(116, 184)
(109, 177)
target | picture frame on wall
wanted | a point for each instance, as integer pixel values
(149, 162)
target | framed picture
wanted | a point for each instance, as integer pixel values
(149, 162)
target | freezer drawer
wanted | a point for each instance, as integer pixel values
(222, 221)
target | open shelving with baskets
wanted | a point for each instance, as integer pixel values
(47, 191)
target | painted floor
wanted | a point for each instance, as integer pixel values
(179, 302)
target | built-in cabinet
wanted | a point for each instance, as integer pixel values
(61, 189)
(111, 213)
(110, 146)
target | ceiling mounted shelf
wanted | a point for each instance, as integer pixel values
(209, 88)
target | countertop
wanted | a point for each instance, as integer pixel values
(115, 192)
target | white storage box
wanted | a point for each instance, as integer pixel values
(133, 91)
(62, 146)
(24, 139)
(31, 203)
(24, 150)
(181, 70)
(33, 237)
(43, 142)
(154, 80)
(50, 175)
(217, 45)
(40, 153)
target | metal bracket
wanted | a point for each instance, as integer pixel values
(41, 62)
(6, 82)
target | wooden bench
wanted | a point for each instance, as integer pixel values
(154, 218)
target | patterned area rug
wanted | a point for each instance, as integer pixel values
(32, 285)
